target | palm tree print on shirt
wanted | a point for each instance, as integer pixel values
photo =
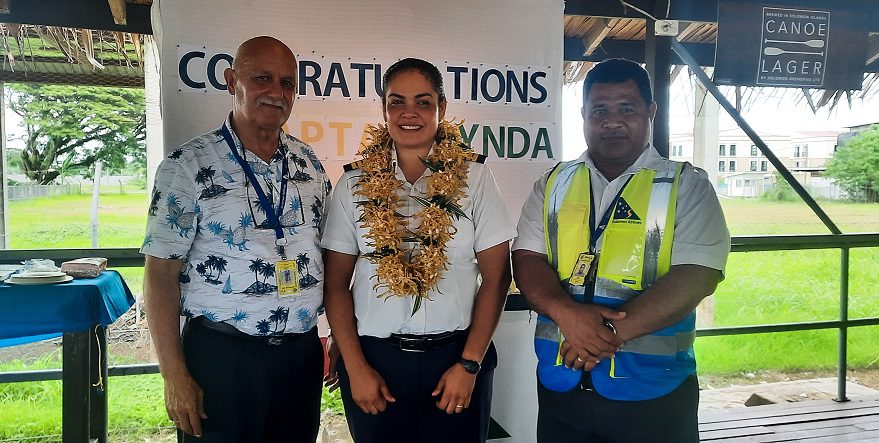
(262, 269)
(202, 177)
(307, 280)
(315, 163)
(206, 269)
(301, 165)
(278, 318)
(154, 202)
(317, 211)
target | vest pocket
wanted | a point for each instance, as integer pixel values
(622, 254)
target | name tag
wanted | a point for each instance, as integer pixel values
(581, 269)
(287, 276)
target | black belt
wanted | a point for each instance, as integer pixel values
(232, 331)
(422, 343)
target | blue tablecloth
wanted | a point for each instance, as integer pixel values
(37, 312)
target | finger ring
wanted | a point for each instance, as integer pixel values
(580, 359)
(459, 407)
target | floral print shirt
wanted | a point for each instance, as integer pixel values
(205, 212)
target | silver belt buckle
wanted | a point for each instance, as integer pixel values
(409, 344)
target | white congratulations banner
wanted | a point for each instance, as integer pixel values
(502, 68)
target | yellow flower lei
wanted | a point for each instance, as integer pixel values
(387, 228)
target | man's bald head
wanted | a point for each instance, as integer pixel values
(256, 46)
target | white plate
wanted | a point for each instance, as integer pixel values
(40, 274)
(39, 281)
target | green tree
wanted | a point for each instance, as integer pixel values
(780, 190)
(69, 128)
(855, 166)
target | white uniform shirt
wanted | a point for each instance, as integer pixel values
(700, 237)
(451, 302)
(200, 213)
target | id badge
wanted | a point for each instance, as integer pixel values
(581, 269)
(287, 277)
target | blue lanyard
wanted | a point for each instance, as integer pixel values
(273, 216)
(596, 231)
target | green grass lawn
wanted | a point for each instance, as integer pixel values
(65, 221)
(760, 287)
(792, 286)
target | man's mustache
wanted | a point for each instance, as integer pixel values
(272, 102)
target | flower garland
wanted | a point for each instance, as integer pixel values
(387, 228)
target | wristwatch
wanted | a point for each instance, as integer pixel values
(470, 366)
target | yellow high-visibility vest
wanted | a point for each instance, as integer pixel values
(635, 252)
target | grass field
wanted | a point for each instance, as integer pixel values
(760, 287)
(792, 286)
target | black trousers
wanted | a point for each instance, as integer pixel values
(581, 416)
(255, 391)
(411, 377)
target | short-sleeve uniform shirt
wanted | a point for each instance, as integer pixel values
(700, 236)
(451, 303)
(204, 210)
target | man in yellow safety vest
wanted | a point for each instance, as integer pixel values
(615, 343)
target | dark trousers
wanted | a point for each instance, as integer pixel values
(581, 416)
(255, 391)
(411, 377)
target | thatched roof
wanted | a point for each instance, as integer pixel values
(59, 55)
(84, 42)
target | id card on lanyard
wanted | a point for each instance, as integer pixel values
(586, 266)
(286, 271)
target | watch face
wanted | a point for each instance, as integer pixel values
(470, 366)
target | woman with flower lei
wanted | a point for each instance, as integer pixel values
(421, 221)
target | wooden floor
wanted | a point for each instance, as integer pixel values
(811, 421)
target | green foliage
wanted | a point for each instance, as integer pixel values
(781, 190)
(855, 166)
(13, 161)
(70, 128)
(332, 402)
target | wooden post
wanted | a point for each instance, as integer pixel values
(96, 195)
(75, 410)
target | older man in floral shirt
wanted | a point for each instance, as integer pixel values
(232, 244)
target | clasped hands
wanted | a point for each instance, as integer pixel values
(588, 339)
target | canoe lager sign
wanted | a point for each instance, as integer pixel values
(796, 46)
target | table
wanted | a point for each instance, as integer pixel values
(80, 310)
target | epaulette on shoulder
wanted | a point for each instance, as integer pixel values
(474, 157)
(353, 165)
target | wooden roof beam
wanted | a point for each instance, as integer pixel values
(117, 7)
(595, 35)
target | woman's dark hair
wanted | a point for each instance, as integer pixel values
(415, 64)
(619, 70)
